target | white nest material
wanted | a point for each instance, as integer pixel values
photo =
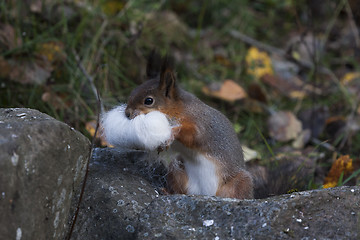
(145, 131)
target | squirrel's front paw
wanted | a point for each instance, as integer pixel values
(164, 147)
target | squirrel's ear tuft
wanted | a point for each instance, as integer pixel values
(167, 78)
(153, 65)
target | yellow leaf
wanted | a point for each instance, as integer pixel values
(91, 126)
(258, 63)
(297, 94)
(112, 7)
(342, 165)
(330, 185)
(222, 60)
(348, 77)
(296, 55)
(52, 51)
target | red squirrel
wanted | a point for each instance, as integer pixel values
(210, 160)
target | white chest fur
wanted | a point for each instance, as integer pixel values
(201, 171)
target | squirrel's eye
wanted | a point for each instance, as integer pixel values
(148, 101)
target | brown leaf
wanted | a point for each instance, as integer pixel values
(228, 91)
(29, 70)
(54, 100)
(8, 38)
(5, 68)
(284, 126)
(293, 87)
(35, 6)
(256, 92)
(58, 100)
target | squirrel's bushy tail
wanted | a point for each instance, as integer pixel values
(282, 176)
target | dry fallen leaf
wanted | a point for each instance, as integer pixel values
(8, 37)
(228, 91)
(5, 68)
(53, 51)
(256, 92)
(112, 7)
(349, 77)
(302, 139)
(292, 87)
(57, 100)
(284, 126)
(91, 127)
(342, 166)
(29, 70)
(352, 82)
(222, 60)
(250, 154)
(36, 5)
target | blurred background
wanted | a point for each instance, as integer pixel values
(286, 73)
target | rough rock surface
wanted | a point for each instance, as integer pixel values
(320, 214)
(120, 202)
(117, 190)
(42, 165)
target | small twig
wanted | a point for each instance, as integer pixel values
(100, 109)
(349, 119)
(92, 147)
(125, 8)
(325, 145)
(333, 20)
(352, 24)
(88, 77)
(251, 41)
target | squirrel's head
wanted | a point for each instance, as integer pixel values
(158, 93)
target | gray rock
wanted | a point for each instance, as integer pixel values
(42, 165)
(117, 190)
(319, 214)
(120, 202)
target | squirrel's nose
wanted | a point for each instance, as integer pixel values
(128, 112)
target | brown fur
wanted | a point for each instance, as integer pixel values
(177, 178)
(187, 134)
(240, 186)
